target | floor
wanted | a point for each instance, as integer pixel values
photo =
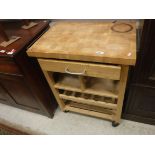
(68, 123)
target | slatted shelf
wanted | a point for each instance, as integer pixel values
(89, 112)
(89, 101)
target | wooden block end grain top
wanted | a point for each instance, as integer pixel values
(87, 41)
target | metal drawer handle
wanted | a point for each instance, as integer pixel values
(67, 71)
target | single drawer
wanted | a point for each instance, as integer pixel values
(8, 66)
(80, 68)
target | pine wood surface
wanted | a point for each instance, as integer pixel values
(85, 69)
(87, 41)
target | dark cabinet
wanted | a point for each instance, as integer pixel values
(139, 103)
(4, 97)
(22, 83)
(18, 88)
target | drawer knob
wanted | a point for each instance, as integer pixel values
(74, 73)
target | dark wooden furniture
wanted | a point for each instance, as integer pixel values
(22, 83)
(2, 33)
(140, 97)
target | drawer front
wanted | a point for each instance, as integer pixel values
(8, 66)
(78, 68)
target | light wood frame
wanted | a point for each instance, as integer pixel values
(117, 107)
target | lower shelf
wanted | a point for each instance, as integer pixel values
(89, 112)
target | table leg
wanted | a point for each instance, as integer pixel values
(122, 86)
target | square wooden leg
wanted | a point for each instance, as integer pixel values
(122, 86)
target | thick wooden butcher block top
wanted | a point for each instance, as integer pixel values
(88, 41)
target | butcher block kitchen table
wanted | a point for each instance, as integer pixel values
(86, 65)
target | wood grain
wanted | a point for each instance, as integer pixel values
(88, 101)
(11, 40)
(91, 69)
(88, 112)
(87, 41)
(96, 87)
(22, 83)
(122, 86)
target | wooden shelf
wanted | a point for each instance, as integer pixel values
(94, 86)
(89, 101)
(68, 80)
(89, 112)
(66, 87)
(92, 108)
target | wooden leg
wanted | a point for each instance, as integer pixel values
(55, 92)
(122, 86)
